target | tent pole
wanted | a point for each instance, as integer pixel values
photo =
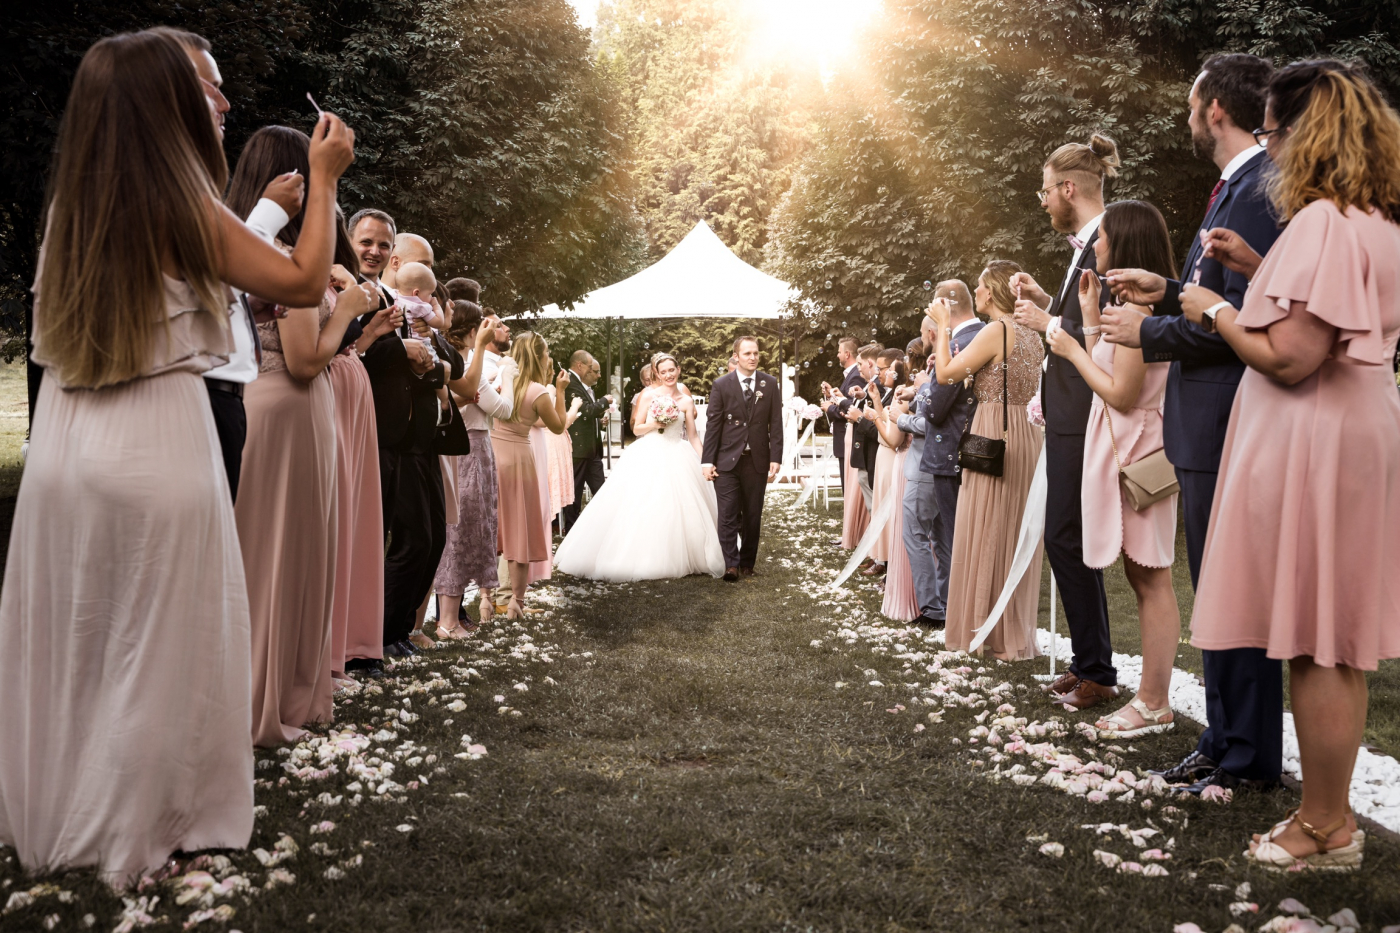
(607, 387)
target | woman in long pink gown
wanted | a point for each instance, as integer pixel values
(1133, 234)
(1304, 538)
(124, 614)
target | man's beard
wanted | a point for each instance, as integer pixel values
(1203, 146)
(502, 346)
(1062, 216)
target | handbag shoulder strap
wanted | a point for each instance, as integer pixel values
(1111, 440)
(1005, 377)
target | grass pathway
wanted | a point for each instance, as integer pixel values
(681, 758)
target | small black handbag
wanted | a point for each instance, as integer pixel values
(985, 454)
(451, 439)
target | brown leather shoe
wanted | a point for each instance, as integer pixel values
(1062, 685)
(731, 574)
(1086, 694)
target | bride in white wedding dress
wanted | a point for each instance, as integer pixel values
(655, 518)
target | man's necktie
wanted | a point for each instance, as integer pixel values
(1214, 193)
(748, 391)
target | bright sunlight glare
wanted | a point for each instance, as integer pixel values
(819, 30)
(823, 30)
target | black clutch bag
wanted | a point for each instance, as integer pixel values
(450, 439)
(987, 454)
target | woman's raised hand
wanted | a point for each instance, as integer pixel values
(356, 299)
(561, 381)
(341, 277)
(1089, 297)
(1230, 249)
(332, 147)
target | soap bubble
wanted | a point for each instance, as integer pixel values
(928, 286)
(828, 283)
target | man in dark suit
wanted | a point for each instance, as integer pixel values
(949, 411)
(404, 380)
(837, 404)
(1243, 742)
(742, 453)
(1072, 193)
(586, 431)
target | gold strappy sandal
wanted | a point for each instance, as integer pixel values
(1274, 857)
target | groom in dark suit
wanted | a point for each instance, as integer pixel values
(742, 454)
(1243, 741)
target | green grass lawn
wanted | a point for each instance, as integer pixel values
(691, 761)
(14, 423)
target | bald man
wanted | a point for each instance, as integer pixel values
(586, 432)
(408, 247)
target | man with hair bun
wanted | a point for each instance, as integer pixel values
(1071, 192)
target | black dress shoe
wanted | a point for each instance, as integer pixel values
(409, 648)
(365, 667)
(746, 572)
(731, 574)
(400, 649)
(1190, 770)
(931, 622)
(1222, 778)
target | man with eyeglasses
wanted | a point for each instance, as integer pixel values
(1243, 743)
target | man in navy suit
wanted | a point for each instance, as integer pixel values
(1243, 743)
(1072, 194)
(949, 411)
(742, 453)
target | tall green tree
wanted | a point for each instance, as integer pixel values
(485, 125)
(925, 162)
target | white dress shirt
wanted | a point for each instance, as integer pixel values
(492, 401)
(1239, 160)
(266, 220)
(1082, 236)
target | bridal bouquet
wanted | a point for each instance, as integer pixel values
(665, 411)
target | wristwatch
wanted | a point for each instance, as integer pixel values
(1208, 315)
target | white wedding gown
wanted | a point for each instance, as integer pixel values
(654, 519)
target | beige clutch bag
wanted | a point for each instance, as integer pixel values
(1149, 480)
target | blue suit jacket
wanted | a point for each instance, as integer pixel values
(1205, 372)
(949, 410)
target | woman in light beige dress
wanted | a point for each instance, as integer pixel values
(124, 614)
(287, 512)
(990, 507)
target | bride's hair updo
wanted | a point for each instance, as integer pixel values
(658, 358)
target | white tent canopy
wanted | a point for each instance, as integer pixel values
(700, 278)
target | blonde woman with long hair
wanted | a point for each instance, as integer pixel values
(124, 614)
(522, 522)
(1300, 556)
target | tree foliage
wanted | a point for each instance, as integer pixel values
(485, 125)
(925, 160)
(714, 131)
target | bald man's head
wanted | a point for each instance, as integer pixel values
(581, 362)
(408, 247)
(955, 290)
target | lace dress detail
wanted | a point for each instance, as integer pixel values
(270, 339)
(1027, 352)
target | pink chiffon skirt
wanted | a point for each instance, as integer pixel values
(855, 516)
(539, 444)
(900, 603)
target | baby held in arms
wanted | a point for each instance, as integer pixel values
(416, 284)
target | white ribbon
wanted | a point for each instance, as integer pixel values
(877, 522)
(1032, 531)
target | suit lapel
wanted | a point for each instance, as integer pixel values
(1071, 284)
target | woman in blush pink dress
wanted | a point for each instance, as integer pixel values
(1304, 538)
(287, 510)
(900, 602)
(124, 613)
(1125, 425)
(523, 522)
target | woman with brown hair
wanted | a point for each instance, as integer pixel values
(1125, 426)
(1305, 531)
(124, 614)
(523, 536)
(287, 512)
(1004, 363)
